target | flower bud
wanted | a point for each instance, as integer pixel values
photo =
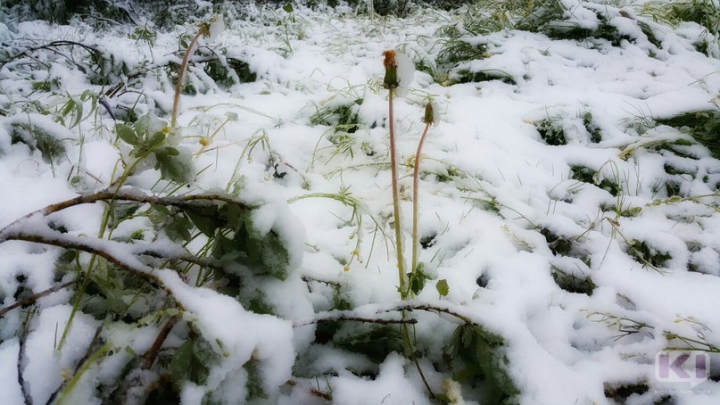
(391, 78)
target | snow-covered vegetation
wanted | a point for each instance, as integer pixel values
(225, 203)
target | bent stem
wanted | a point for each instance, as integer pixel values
(181, 77)
(416, 188)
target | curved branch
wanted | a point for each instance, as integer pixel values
(359, 314)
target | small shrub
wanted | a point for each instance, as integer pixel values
(343, 117)
(572, 282)
(557, 244)
(646, 254)
(592, 128)
(703, 126)
(480, 353)
(588, 175)
(467, 76)
(226, 72)
(551, 131)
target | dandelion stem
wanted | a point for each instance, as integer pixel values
(416, 188)
(396, 199)
(180, 79)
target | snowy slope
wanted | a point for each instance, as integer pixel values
(586, 256)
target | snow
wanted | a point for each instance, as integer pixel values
(493, 194)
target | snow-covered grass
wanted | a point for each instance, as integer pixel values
(568, 220)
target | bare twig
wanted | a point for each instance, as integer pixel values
(431, 308)
(31, 299)
(349, 316)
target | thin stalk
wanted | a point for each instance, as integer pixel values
(71, 384)
(396, 200)
(416, 188)
(180, 79)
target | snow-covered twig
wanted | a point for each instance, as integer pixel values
(35, 297)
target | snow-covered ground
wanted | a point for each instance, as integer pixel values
(584, 258)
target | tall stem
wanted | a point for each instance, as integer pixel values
(416, 187)
(396, 200)
(180, 79)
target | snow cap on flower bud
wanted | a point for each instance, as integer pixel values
(212, 28)
(399, 72)
(217, 26)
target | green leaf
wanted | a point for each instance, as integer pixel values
(181, 361)
(173, 165)
(127, 134)
(204, 218)
(254, 380)
(157, 139)
(418, 279)
(288, 7)
(442, 287)
(189, 362)
(178, 228)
